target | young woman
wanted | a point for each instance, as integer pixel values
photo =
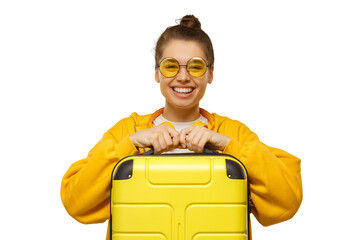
(184, 66)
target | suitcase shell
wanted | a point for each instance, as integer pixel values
(179, 197)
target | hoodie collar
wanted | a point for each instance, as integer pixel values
(203, 112)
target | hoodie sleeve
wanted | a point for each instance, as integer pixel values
(85, 187)
(274, 175)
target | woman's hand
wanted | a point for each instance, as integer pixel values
(161, 138)
(196, 137)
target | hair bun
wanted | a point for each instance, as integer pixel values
(190, 21)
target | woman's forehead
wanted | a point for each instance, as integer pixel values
(183, 50)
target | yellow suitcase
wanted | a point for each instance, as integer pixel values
(179, 197)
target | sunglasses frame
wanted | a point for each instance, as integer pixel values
(206, 65)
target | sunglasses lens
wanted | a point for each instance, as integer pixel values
(169, 67)
(196, 67)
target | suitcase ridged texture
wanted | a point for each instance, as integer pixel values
(179, 197)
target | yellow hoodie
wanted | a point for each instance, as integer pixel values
(274, 175)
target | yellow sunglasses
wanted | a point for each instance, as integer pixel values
(170, 67)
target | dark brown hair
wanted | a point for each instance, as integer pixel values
(189, 29)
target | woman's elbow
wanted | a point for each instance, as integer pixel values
(97, 214)
(281, 211)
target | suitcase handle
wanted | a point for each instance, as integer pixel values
(206, 151)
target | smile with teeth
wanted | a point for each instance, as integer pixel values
(183, 90)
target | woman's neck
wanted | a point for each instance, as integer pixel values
(181, 114)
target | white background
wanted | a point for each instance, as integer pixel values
(70, 70)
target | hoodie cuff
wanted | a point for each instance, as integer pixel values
(127, 148)
(234, 148)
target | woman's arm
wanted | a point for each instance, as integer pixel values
(85, 187)
(275, 179)
(274, 175)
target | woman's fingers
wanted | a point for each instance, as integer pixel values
(175, 137)
(164, 138)
(183, 136)
(201, 144)
(161, 144)
(190, 138)
(195, 138)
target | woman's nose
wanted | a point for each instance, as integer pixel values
(183, 74)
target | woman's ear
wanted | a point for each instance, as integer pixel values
(211, 74)
(156, 75)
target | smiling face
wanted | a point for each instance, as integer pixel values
(183, 92)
